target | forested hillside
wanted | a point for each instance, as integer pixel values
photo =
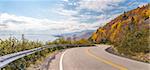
(129, 32)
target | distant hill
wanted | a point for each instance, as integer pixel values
(114, 30)
(76, 35)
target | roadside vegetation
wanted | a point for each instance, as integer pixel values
(12, 45)
(134, 44)
(64, 41)
(23, 63)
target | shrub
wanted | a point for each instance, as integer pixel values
(135, 41)
(12, 45)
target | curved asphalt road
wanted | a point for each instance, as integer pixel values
(94, 58)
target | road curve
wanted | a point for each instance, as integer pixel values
(94, 58)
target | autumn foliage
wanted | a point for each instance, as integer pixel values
(129, 32)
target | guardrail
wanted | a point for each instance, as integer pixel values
(6, 59)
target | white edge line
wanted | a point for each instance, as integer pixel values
(61, 59)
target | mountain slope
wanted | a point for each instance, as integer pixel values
(116, 28)
(129, 33)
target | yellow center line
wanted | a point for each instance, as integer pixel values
(106, 61)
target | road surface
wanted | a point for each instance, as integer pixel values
(94, 58)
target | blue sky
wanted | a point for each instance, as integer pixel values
(60, 16)
(31, 8)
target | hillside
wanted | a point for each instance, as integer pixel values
(129, 32)
(119, 26)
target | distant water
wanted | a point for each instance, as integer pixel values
(43, 38)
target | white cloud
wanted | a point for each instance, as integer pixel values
(64, 12)
(99, 5)
(33, 24)
(72, 23)
(65, 0)
(29, 23)
(142, 4)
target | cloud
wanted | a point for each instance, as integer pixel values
(91, 11)
(14, 22)
(99, 5)
(22, 24)
(64, 12)
(65, 0)
(3, 26)
(142, 4)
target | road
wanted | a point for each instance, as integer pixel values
(94, 58)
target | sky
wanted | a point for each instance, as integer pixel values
(60, 16)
